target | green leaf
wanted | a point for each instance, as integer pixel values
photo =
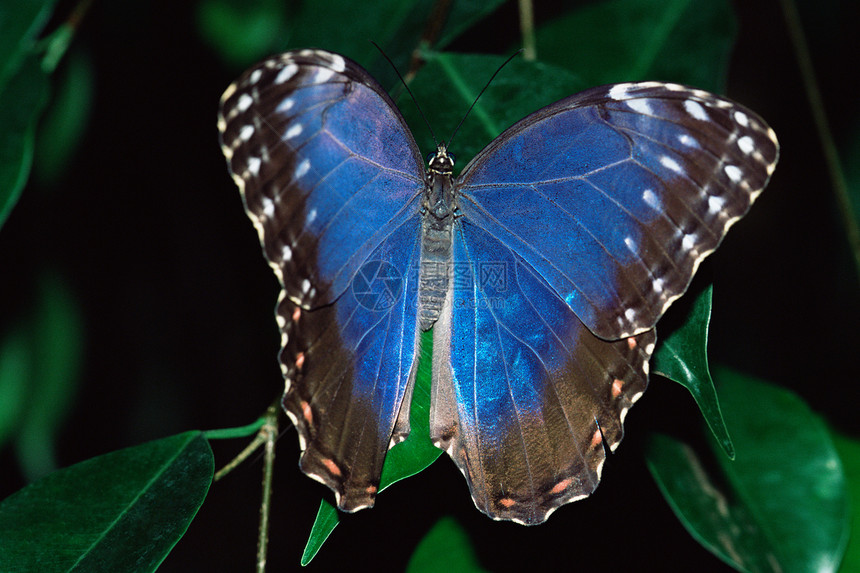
(416, 452)
(15, 373)
(781, 505)
(845, 173)
(325, 522)
(405, 459)
(683, 357)
(449, 84)
(65, 119)
(128, 508)
(40, 362)
(321, 24)
(628, 40)
(464, 14)
(239, 432)
(55, 351)
(21, 101)
(242, 31)
(446, 547)
(23, 92)
(20, 24)
(849, 453)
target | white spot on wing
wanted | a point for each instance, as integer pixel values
(742, 118)
(268, 207)
(254, 165)
(651, 199)
(285, 74)
(619, 91)
(323, 75)
(337, 63)
(746, 144)
(246, 132)
(696, 110)
(631, 245)
(303, 168)
(671, 164)
(734, 173)
(244, 102)
(285, 105)
(688, 140)
(688, 243)
(293, 131)
(715, 204)
(640, 106)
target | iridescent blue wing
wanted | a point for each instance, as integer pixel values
(332, 180)
(615, 195)
(524, 395)
(598, 209)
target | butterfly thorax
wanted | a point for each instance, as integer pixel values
(437, 222)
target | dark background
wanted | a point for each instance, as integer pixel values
(148, 231)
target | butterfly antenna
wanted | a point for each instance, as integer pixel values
(409, 91)
(505, 63)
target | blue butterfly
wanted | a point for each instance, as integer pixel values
(542, 269)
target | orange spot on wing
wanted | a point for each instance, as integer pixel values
(307, 413)
(617, 385)
(332, 468)
(631, 342)
(297, 314)
(507, 502)
(300, 360)
(561, 486)
(371, 490)
(597, 438)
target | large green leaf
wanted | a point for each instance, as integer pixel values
(123, 511)
(781, 505)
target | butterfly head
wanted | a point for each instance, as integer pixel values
(441, 162)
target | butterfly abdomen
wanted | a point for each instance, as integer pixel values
(435, 263)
